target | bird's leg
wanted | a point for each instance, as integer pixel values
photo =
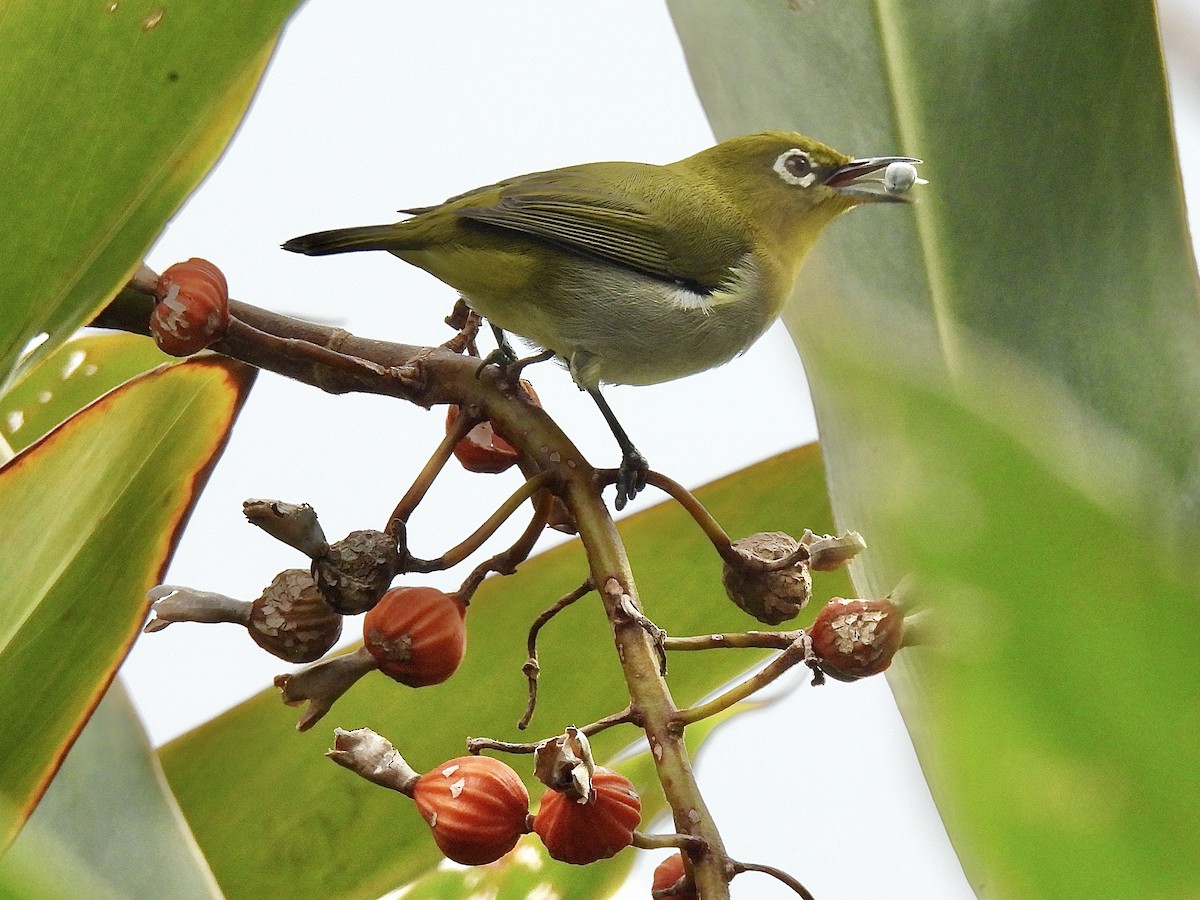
(631, 477)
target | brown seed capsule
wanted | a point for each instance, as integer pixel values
(475, 806)
(291, 619)
(416, 635)
(193, 307)
(856, 638)
(666, 875)
(581, 833)
(357, 570)
(770, 595)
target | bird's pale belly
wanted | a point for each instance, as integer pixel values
(616, 326)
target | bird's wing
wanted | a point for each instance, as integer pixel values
(608, 210)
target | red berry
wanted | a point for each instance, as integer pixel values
(475, 806)
(193, 307)
(856, 638)
(483, 449)
(581, 833)
(668, 872)
(416, 635)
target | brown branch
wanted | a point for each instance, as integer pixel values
(428, 376)
(651, 703)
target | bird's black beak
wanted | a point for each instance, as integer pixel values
(851, 181)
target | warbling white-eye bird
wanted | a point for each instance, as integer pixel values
(633, 273)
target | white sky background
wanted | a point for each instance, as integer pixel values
(371, 105)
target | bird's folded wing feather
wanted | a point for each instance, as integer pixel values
(616, 213)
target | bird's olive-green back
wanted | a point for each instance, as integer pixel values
(690, 221)
(660, 220)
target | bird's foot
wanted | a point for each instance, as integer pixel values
(631, 477)
(502, 357)
(509, 364)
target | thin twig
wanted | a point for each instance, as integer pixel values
(506, 561)
(685, 498)
(737, 640)
(468, 323)
(477, 745)
(475, 540)
(688, 842)
(424, 480)
(779, 874)
(531, 668)
(798, 651)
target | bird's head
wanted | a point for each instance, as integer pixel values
(793, 186)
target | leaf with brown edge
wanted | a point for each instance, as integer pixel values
(69, 379)
(89, 517)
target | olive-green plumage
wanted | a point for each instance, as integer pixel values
(634, 273)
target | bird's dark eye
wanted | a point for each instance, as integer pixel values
(795, 167)
(798, 163)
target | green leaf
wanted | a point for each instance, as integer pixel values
(275, 817)
(94, 508)
(1005, 377)
(110, 113)
(146, 851)
(69, 379)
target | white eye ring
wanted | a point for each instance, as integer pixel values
(795, 167)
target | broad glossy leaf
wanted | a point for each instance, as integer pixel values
(110, 113)
(73, 845)
(69, 379)
(89, 515)
(145, 851)
(275, 817)
(1006, 379)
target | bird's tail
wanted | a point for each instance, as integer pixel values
(343, 240)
